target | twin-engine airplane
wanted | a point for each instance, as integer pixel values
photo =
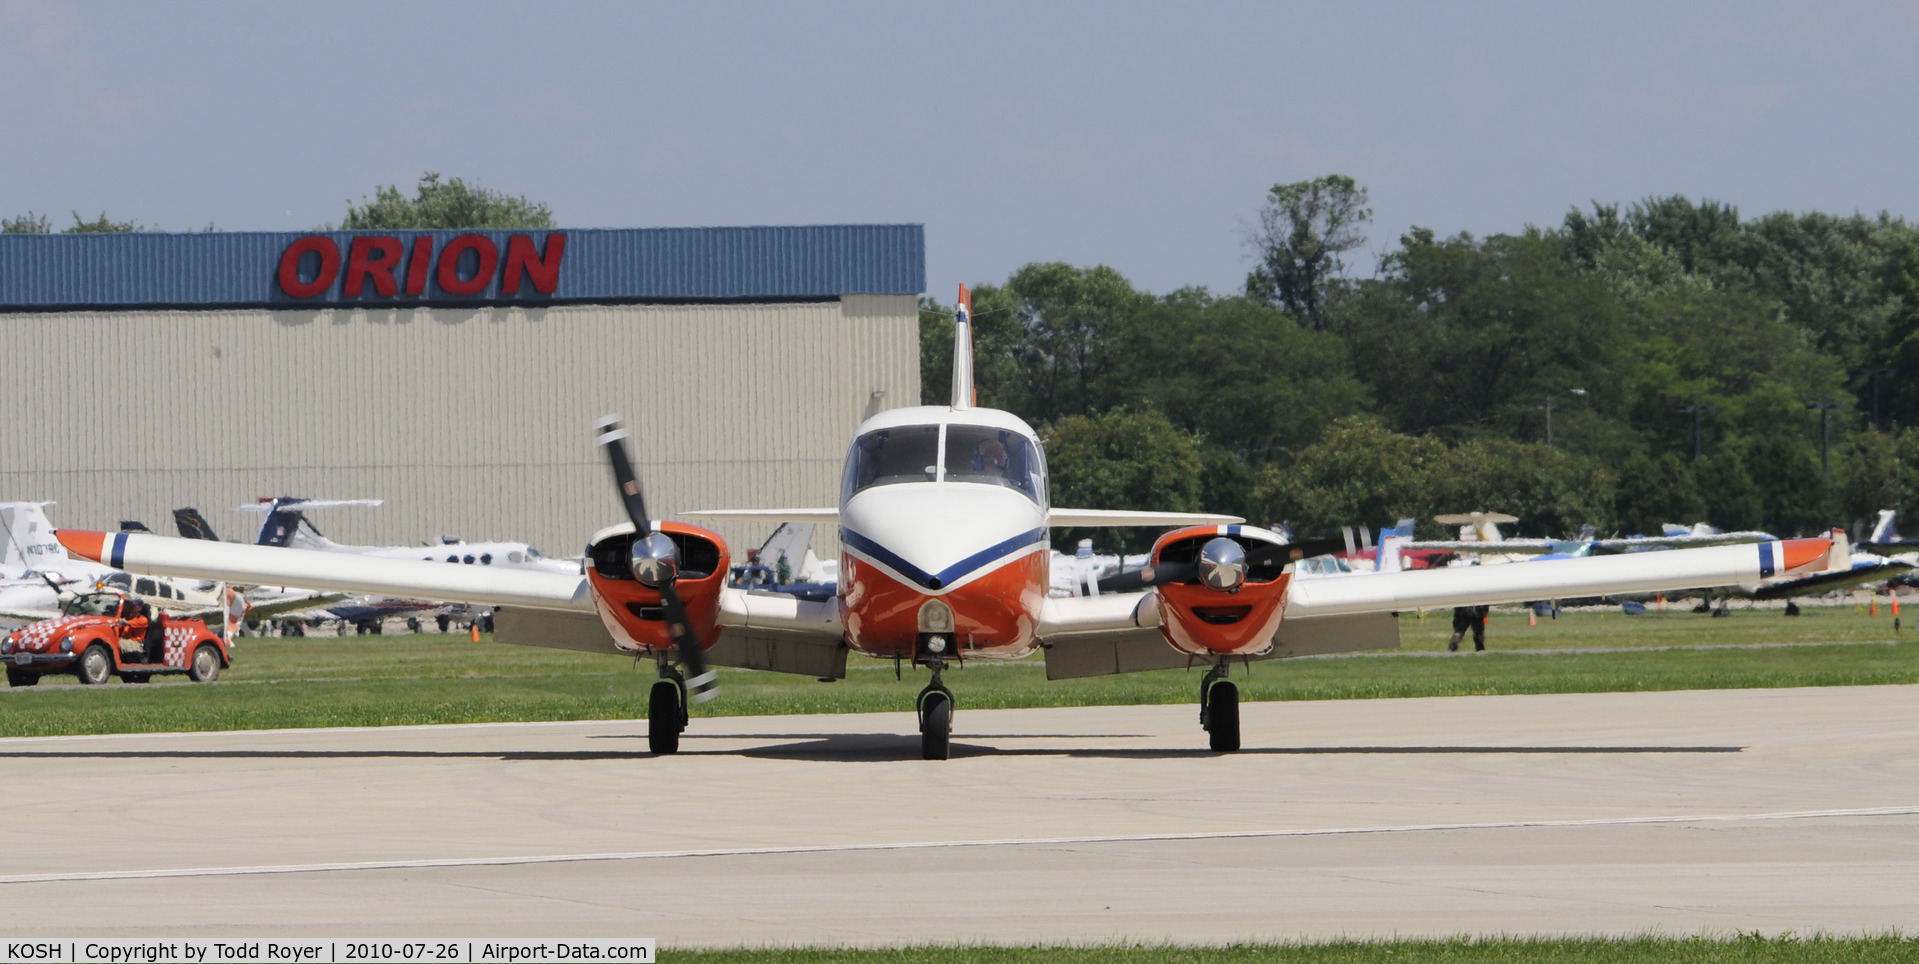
(943, 520)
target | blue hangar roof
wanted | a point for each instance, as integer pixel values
(45, 272)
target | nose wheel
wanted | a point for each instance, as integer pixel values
(1219, 709)
(666, 715)
(936, 716)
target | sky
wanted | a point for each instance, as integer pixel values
(1140, 136)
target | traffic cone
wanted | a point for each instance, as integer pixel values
(1662, 602)
(475, 634)
(1895, 602)
(1875, 606)
(1532, 616)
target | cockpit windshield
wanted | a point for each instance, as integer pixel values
(890, 456)
(995, 456)
(972, 453)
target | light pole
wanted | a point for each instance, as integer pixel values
(1549, 411)
(1873, 375)
(1695, 408)
(1825, 435)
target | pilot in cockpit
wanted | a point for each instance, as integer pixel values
(989, 458)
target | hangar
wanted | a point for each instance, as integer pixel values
(455, 374)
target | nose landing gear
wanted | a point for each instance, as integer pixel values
(935, 705)
(666, 715)
(1219, 709)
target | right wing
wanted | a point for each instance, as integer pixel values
(149, 554)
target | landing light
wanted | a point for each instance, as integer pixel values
(936, 617)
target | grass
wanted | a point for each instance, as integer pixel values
(389, 680)
(1747, 949)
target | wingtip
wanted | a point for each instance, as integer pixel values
(83, 542)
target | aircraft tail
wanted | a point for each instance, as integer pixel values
(192, 525)
(27, 536)
(1390, 542)
(1839, 557)
(964, 393)
(286, 523)
(1885, 530)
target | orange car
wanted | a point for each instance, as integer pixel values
(105, 634)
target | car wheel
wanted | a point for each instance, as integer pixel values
(206, 665)
(95, 667)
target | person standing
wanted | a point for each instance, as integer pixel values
(1465, 618)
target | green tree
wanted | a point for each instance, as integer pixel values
(1065, 320)
(1553, 492)
(452, 204)
(1242, 374)
(1303, 230)
(1879, 470)
(1469, 337)
(28, 223)
(1122, 459)
(1358, 473)
(101, 225)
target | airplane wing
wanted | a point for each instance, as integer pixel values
(335, 571)
(816, 516)
(1128, 517)
(1680, 541)
(1741, 565)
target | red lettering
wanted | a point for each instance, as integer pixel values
(543, 271)
(361, 265)
(322, 279)
(416, 266)
(449, 273)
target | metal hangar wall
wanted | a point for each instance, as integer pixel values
(454, 374)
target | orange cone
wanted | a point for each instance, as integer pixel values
(1895, 602)
(475, 635)
(1875, 606)
(1532, 616)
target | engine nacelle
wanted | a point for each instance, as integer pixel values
(697, 562)
(1230, 607)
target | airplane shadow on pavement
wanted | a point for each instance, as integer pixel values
(842, 747)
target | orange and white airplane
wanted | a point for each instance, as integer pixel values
(943, 520)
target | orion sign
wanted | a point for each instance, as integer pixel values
(385, 266)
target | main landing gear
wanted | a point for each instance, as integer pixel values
(666, 708)
(1219, 708)
(936, 715)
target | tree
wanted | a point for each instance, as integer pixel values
(101, 225)
(1359, 472)
(1122, 459)
(28, 223)
(1065, 320)
(1303, 229)
(452, 204)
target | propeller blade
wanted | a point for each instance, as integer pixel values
(1134, 580)
(613, 436)
(700, 680)
(704, 684)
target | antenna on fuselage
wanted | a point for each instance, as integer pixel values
(963, 394)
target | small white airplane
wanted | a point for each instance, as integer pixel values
(36, 572)
(1479, 535)
(943, 519)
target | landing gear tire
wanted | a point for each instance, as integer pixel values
(205, 667)
(936, 725)
(95, 667)
(665, 717)
(20, 677)
(1222, 716)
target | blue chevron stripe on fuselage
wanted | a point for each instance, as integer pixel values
(951, 574)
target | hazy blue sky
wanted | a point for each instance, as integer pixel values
(1140, 136)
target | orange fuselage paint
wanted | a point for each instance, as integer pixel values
(994, 615)
(621, 601)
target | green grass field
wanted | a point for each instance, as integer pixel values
(1641, 950)
(387, 680)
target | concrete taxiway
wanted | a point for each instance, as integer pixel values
(1716, 812)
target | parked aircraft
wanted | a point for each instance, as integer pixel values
(35, 571)
(943, 518)
(1479, 535)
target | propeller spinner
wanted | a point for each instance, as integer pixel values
(655, 561)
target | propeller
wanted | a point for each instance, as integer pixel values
(1216, 564)
(655, 560)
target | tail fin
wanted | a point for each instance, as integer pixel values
(1839, 557)
(286, 523)
(1885, 531)
(1390, 542)
(192, 525)
(964, 394)
(26, 538)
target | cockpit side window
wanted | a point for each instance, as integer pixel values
(994, 456)
(891, 456)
